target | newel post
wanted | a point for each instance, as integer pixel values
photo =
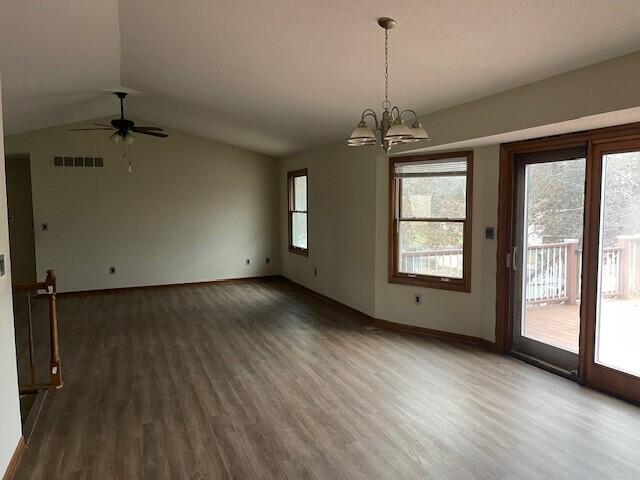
(573, 280)
(55, 367)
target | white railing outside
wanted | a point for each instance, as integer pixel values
(553, 270)
(546, 273)
(435, 262)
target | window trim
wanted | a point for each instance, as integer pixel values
(431, 281)
(291, 176)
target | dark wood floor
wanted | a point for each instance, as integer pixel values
(261, 380)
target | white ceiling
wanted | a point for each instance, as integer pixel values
(54, 56)
(281, 76)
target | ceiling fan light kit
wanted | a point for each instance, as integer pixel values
(128, 138)
(391, 129)
(122, 129)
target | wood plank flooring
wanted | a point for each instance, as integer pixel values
(262, 380)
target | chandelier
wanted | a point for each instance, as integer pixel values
(391, 129)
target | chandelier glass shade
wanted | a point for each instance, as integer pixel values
(390, 128)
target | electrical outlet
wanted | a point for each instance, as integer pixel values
(417, 298)
(2, 267)
(267, 260)
(112, 270)
(315, 272)
(247, 261)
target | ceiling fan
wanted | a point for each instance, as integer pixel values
(123, 127)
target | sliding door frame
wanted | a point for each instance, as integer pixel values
(532, 350)
(506, 225)
(604, 378)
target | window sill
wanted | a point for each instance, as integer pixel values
(299, 251)
(456, 285)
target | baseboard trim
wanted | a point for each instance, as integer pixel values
(432, 333)
(12, 468)
(264, 278)
(385, 324)
(34, 414)
(343, 306)
(401, 327)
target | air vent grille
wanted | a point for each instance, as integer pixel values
(77, 161)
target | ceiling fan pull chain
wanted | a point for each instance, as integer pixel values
(125, 152)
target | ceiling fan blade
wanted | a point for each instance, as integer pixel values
(102, 125)
(147, 132)
(77, 129)
(149, 128)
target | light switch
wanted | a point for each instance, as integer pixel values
(490, 233)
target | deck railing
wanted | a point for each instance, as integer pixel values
(440, 262)
(547, 271)
(553, 269)
(630, 265)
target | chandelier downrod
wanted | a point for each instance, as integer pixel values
(391, 129)
(386, 104)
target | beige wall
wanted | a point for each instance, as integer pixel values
(192, 210)
(348, 241)
(572, 97)
(341, 188)
(466, 313)
(595, 96)
(10, 430)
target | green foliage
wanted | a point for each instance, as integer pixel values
(555, 204)
(432, 197)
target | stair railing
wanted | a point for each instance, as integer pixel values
(47, 288)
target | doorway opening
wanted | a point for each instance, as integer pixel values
(23, 272)
(21, 227)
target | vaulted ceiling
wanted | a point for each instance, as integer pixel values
(281, 76)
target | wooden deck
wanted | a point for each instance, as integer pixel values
(619, 330)
(555, 324)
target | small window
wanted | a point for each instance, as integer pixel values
(298, 222)
(430, 237)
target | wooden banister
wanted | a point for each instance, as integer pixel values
(29, 287)
(47, 288)
(55, 367)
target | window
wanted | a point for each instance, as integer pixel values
(430, 237)
(298, 225)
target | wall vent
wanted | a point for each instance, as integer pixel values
(77, 161)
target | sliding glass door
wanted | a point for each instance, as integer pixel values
(546, 257)
(569, 237)
(613, 341)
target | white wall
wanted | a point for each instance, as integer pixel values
(595, 96)
(192, 210)
(10, 430)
